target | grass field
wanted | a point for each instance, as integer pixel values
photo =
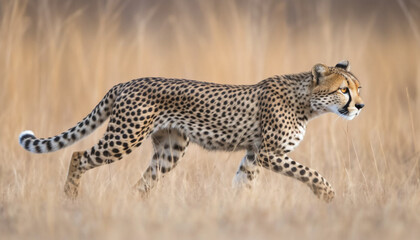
(57, 60)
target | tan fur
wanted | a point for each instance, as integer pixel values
(267, 119)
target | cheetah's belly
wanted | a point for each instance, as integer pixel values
(220, 134)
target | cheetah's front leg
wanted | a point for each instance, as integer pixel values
(283, 164)
(247, 172)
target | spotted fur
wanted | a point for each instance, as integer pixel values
(267, 119)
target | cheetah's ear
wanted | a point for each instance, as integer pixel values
(319, 71)
(344, 65)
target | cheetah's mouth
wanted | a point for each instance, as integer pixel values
(348, 113)
(343, 111)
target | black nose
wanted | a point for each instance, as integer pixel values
(359, 106)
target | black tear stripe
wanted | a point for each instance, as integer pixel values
(348, 103)
(345, 109)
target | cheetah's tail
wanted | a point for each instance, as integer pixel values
(83, 128)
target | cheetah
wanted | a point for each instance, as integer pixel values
(267, 120)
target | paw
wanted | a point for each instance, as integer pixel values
(71, 190)
(241, 181)
(142, 188)
(139, 193)
(323, 190)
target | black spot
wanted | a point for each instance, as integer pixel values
(115, 150)
(98, 160)
(178, 148)
(277, 168)
(27, 143)
(49, 147)
(38, 149)
(304, 179)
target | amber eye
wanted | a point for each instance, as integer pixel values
(344, 90)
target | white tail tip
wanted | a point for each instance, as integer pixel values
(23, 135)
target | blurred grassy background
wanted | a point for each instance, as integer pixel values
(58, 58)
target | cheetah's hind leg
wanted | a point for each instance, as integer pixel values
(169, 146)
(71, 188)
(106, 151)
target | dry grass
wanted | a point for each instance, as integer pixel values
(57, 61)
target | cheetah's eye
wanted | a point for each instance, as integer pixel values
(344, 90)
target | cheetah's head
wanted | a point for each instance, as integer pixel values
(336, 89)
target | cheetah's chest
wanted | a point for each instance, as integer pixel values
(296, 136)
